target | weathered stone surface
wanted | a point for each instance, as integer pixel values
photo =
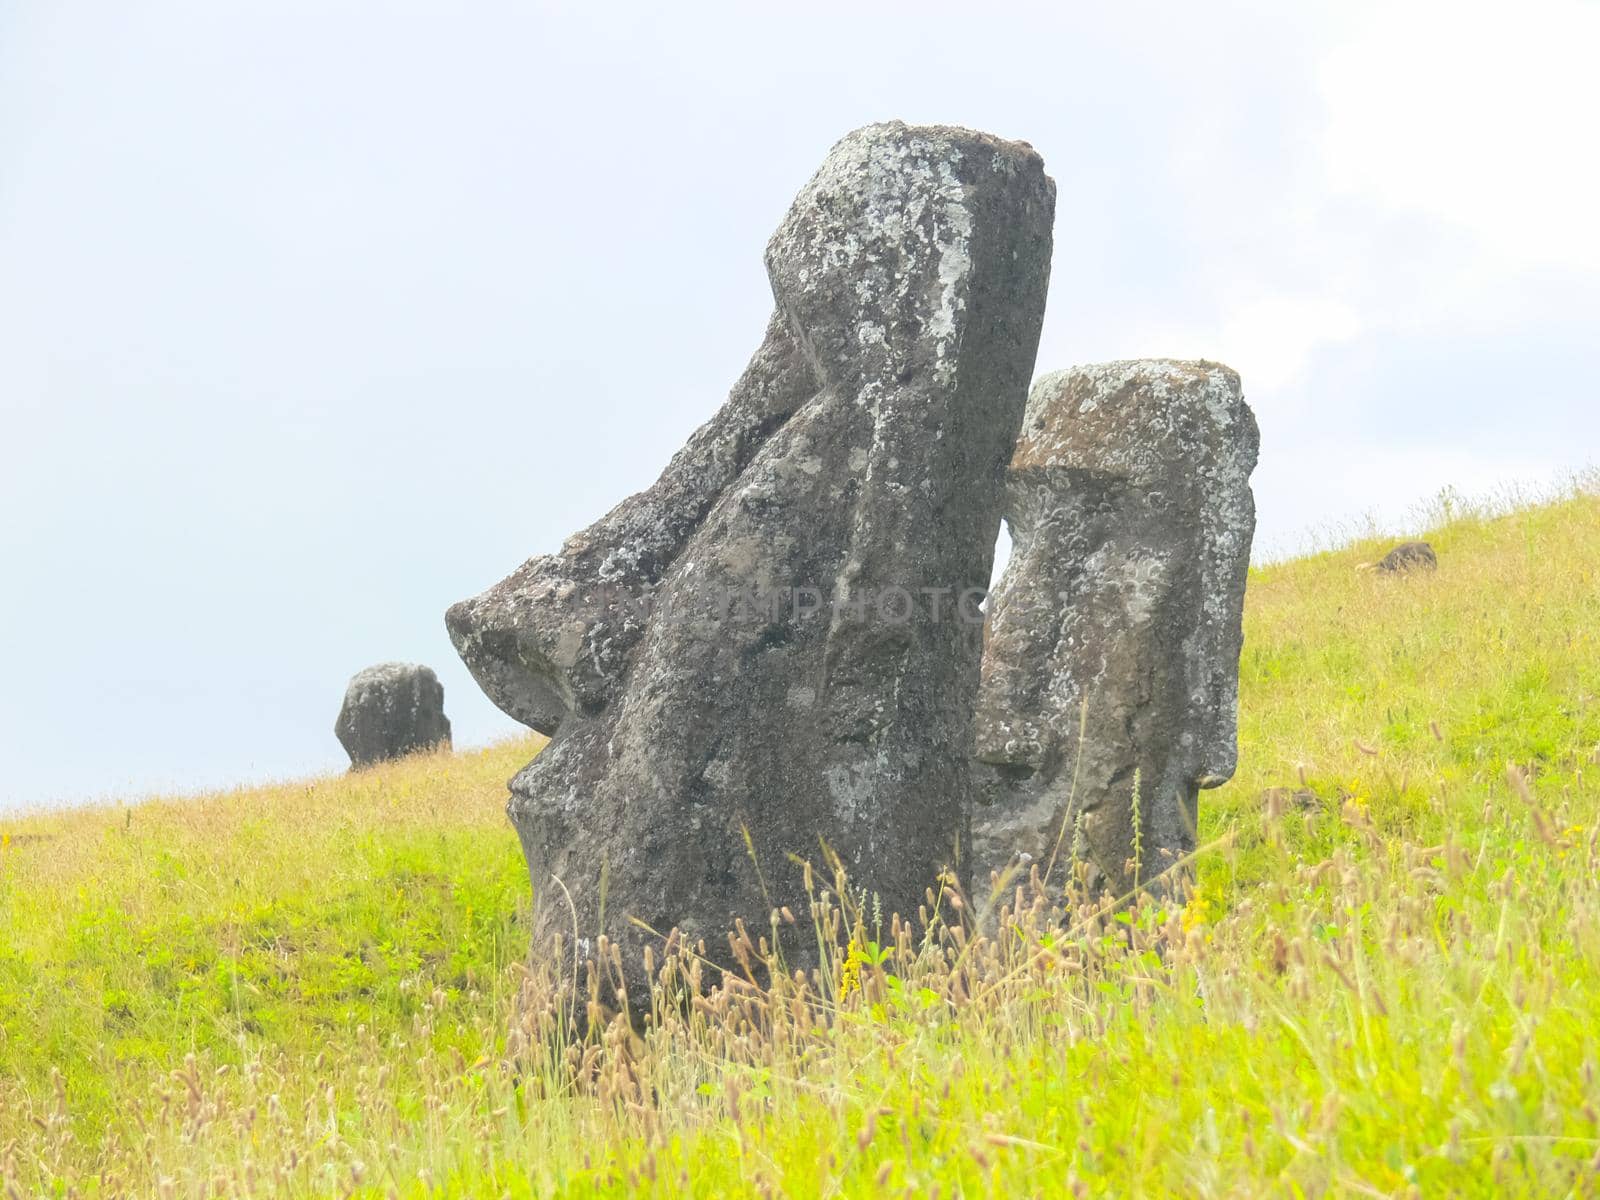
(862, 450)
(1114, 634)
(1409, 556)
(390, 710)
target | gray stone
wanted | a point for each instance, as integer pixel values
(390, 710)
(1114, 635)
(1409, 556)
(697, 748)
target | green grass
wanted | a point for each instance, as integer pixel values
(1386, 983)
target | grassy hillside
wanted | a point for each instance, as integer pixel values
(1386, 983)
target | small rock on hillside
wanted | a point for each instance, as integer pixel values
(1409, 556)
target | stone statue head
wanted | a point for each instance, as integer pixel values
(1110, 671)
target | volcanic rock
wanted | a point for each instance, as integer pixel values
(766, 655)
(1110, 674)
(390, 710)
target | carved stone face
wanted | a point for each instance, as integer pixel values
(1110, 673)
(862, 450)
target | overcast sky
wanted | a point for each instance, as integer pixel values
(315, 317)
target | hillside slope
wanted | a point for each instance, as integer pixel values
(1385, 984)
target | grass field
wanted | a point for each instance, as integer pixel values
(1387, 982)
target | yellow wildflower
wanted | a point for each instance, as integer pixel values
(850, 974)
(1197, 911)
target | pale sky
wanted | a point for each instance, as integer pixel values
(315, 317)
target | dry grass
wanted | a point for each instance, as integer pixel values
(1384, 984)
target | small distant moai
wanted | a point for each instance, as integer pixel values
(390, 710)
(1111, 668)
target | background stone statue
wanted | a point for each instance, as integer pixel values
(699, 740)
(390, 710)
(1114, 635)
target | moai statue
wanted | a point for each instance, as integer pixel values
(767, 652)
(1111, 670)
(391, 710)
